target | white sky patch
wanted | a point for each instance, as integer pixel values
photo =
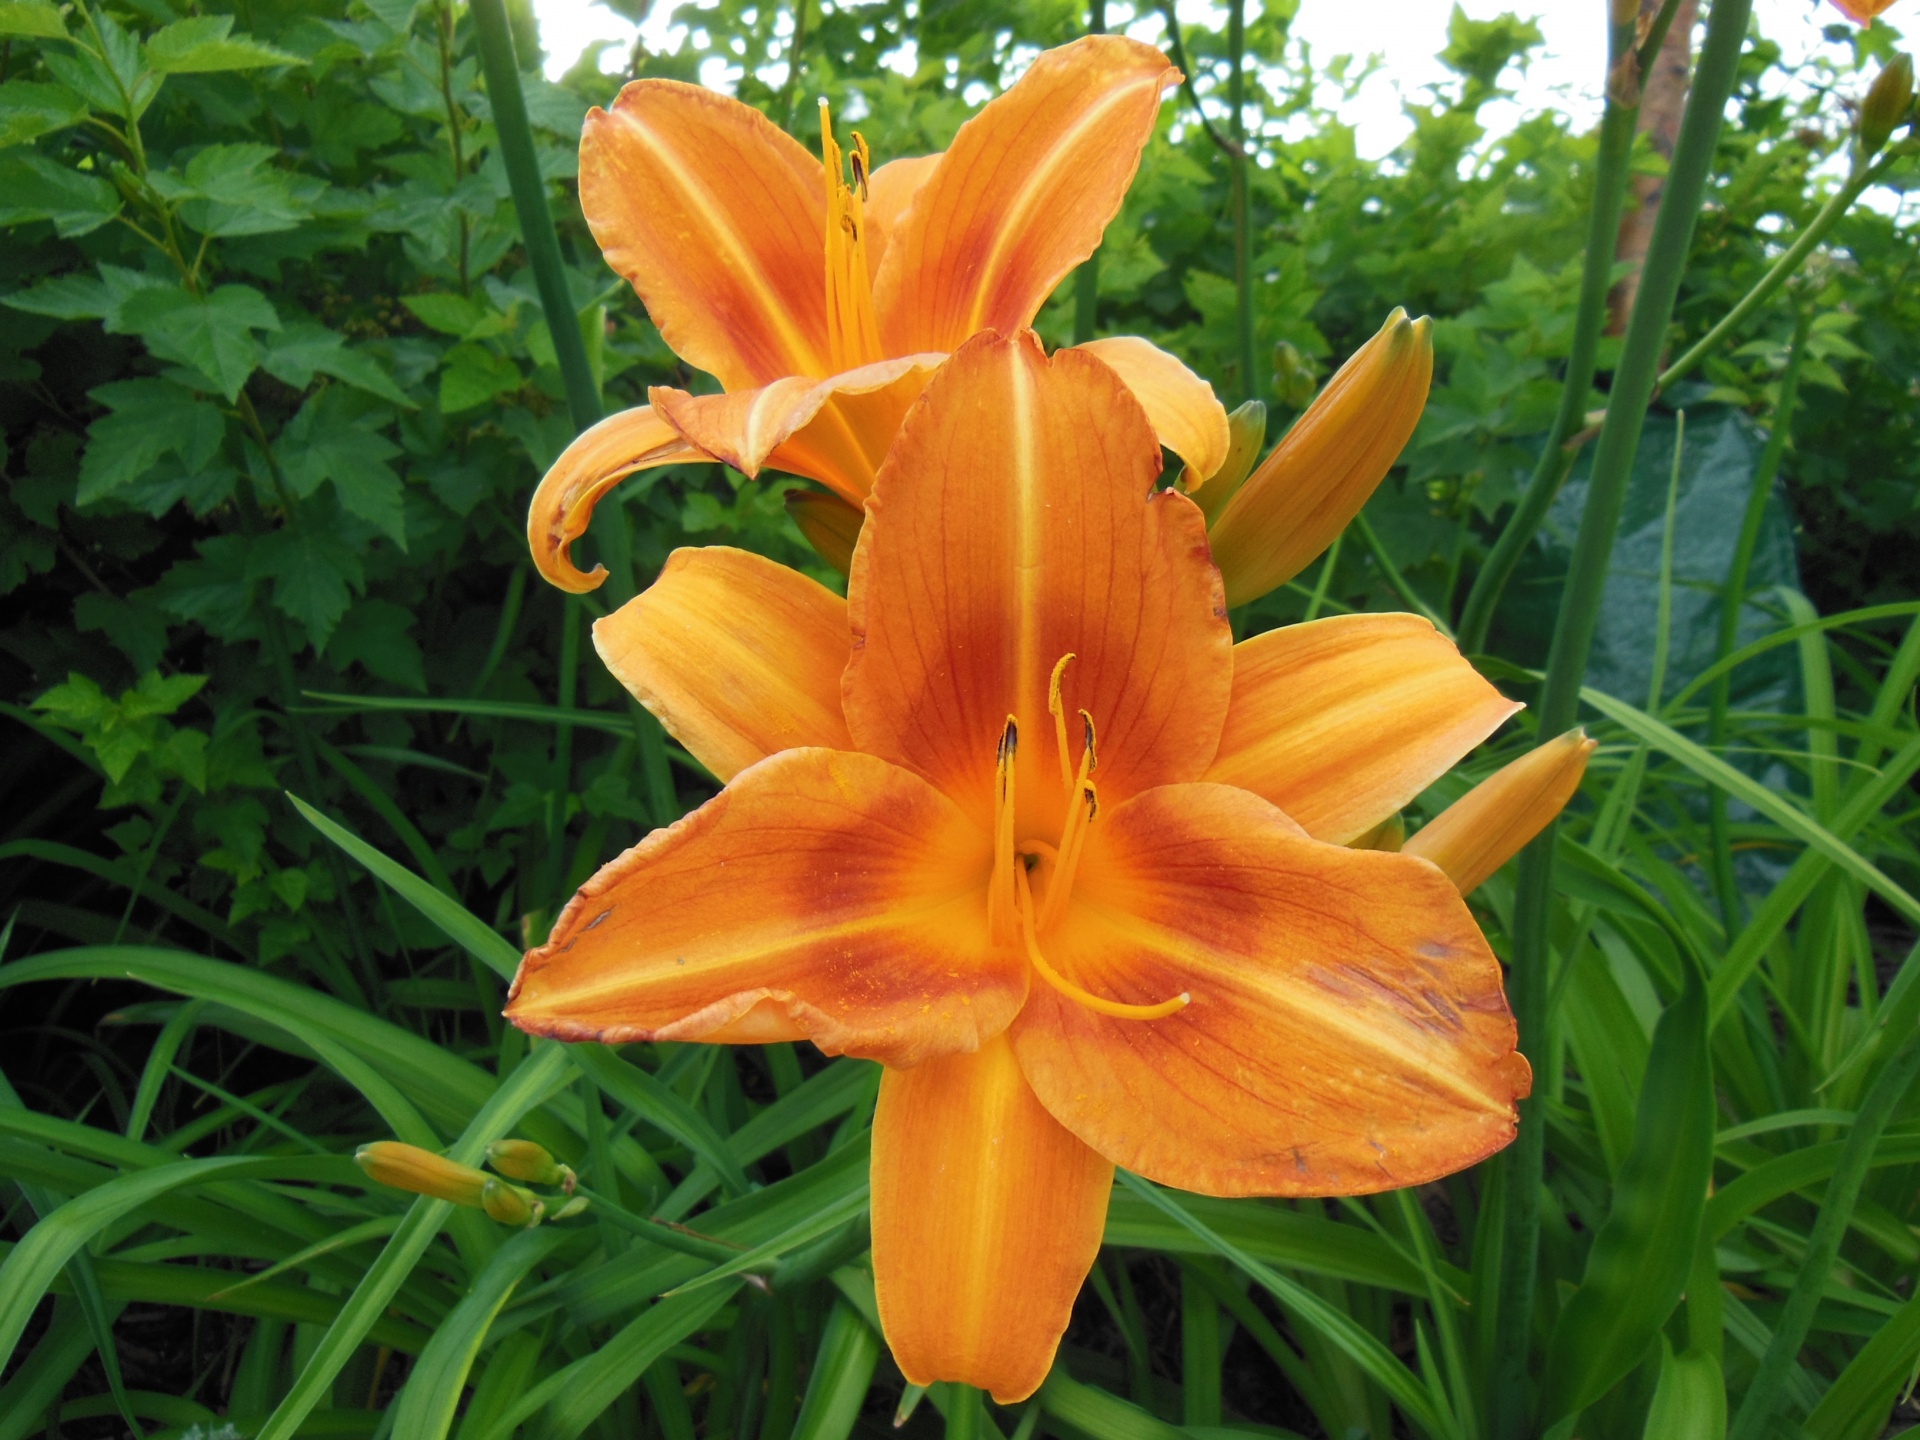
(1406, 35)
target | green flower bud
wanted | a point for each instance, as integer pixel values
(510, 1205)
(534, 1164)
(1886, 106)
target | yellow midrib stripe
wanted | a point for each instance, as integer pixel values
(700, 201)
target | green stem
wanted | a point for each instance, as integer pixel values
(1242, 218)
(530, 204)
(1733, 595)
(1784, 267)
(1319, 596)
(1573, 639)
(1596, 277)
(1398, 582)
(1086, 283)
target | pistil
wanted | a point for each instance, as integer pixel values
(853, 337)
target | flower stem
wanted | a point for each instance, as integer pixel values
(1596, 275)
(1242, 218)
(1633, 386)
(1086, 282)
(530, 204)
(1733, 595)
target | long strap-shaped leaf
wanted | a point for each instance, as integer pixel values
(530, 1085)
(1758, 1409)
(1379, 1363)
(1641, 1255)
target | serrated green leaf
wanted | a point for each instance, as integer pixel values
(148, 419)
(374, 635)
(304, 350)
(202, 45)
(32, 17)
(314, 576)
(454, 315)
(29, 110)
(474, 375)
(212, 333)
(229, 190)
(70, 297)
(32, 187)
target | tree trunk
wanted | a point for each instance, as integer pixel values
(1665, 97)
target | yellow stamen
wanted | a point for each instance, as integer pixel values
(1057, 708)
(1073, 837)
(853, 337)
(1072, 991)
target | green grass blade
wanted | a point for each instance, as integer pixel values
(1641, 1256)
(1690, 1401)
(1758, 1407)
(1381, 1365)
(453, 919)
(659, 1106)
(1094, 1411)
(1782, 812)
(434, 1385)
(842, 1374)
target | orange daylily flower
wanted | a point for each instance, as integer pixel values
(1020, 821)
(1862, 12)
(822, 293)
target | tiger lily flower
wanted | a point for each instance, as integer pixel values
(822, 292)
(1020, 821)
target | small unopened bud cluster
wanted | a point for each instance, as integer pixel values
(422, 1172)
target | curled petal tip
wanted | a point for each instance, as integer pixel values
(1323, 472)
(1487, 826)
(587, 469)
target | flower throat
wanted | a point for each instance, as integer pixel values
(1011, 906)
(853, 339)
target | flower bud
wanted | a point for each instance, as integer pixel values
(1485, 828)
(1885, 109)
(1246, 437)
(408, 1167)
(509, 1204)
(524, 1160)
(1861, 12)
(1330, 462)
(830, 525)
(576, 1206)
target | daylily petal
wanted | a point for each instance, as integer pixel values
(1022, 195)
(890, 190)
(987, 1215)
(1340, 722)
(844, 890)
(1321, 474)
(737, 655)
(1485, 828)
(717, 218)
(1015, 522)
(835, 431)
(1182, 408)
(587, 469)
(1346, 1031)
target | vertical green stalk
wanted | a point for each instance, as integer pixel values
(1596, 278)
(1242, 220)
(1573, 639)
(1733, 595)
(1086, 283)
(530, 204)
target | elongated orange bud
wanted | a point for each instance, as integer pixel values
(587, 469)
(421, 1172)
(1246, 438)
(1483, 829)
(830, 524)
(1319, 476)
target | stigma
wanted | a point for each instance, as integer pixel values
(853, 337)
(1014, 914)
